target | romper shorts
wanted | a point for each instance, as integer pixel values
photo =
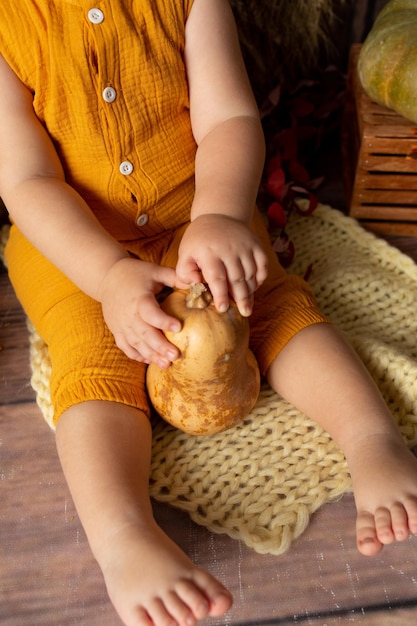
(87, 364)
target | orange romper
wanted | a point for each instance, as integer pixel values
(109, 85)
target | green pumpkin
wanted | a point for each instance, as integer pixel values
(387, 64)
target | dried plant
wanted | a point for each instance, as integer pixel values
(282, 39)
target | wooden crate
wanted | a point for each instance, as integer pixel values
(380, 161)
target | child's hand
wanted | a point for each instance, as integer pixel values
(224, 253)
(133, 314)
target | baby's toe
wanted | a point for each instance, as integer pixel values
(384, 524)
(192, 596)
(159, 614)
(203, 595)
(399, 519)
(366, 535)
(183, 612)
(219, 597)
(411, 508)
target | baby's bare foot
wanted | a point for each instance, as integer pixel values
(384, 475)
(151, 582)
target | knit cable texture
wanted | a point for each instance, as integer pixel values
(261, 481)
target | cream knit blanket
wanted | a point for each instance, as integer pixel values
(261, 481)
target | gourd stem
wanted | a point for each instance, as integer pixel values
(199, 297)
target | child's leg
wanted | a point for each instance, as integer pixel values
(320, 374)
(105, 449)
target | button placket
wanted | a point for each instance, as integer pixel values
(109, 95)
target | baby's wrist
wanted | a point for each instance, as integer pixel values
(219, 215)
(109, 276)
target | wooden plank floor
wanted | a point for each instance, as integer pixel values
(48, 576)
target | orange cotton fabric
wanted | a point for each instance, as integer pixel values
(109, 84)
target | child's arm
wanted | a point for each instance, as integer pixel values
(60, 225)
(46, 210)
(229, 160)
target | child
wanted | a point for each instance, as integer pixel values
(131, 157)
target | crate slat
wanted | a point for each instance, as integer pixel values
(380, 126)
(371, 163)
(378, 144)
(391, 201)
(392, 182)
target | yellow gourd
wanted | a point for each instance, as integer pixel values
(215, 382)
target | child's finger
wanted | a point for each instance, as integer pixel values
(165, 275)
(261, 262)
(151, 345)
(216, 277)
(152, 314)
(188, 271)
(242, 294)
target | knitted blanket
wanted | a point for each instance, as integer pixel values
(261, 481)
